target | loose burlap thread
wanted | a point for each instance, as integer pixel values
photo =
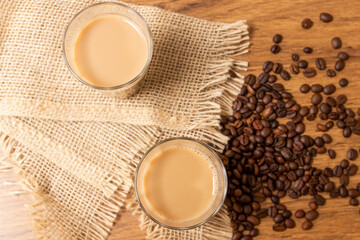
(75, 149)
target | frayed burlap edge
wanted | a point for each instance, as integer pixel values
(40, 208)
(218, 84)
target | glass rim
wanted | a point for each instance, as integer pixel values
(117, 86)
(224, 192)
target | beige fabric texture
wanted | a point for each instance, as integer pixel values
(75, 149)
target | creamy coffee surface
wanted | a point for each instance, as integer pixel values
(110, 50)
(179, 184)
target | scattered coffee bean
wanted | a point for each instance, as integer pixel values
(320, 63)
(343, 82)
(316, 98)
(307, 50)
(354, 202)
(303, 64)
(285, 75)
(339, 65)
(300, 213)
(319, 200)
(267, 66)
(307, 23)
(294, 68)
(330, 73)
(279, 227)
(352, 154)
(326, 17)
(344, 163)
(343, 56)
(289, 223)
(336, 42)
(316, 88)
(352, 170)
(295, 57)
(329, 89)
(305, 88)
(277, 38)
(309, 72)
(332, 153)
(277, 68)
(275, 49)
(306, 225)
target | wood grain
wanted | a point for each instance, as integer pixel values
(265, 18)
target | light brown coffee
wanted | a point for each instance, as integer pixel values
(179, 184)
(110, 51)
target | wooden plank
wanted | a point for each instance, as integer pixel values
(337, 219)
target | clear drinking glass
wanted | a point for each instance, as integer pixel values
(84, 17)
(220, 185)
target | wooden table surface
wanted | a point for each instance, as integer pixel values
(338, 220)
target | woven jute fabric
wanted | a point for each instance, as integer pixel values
(76, 149)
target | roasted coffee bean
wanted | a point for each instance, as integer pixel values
(272, 211)
(254, 232)
(300, 213)
(336, 42)
(267, 66)
(305, 88)
(330, 73)
(303, 64)
(277, 68)
(328, 187)
(316, 99)
(307, 23)
(329, 89)
(325, 108)
(285, 75)
(278, 218)
(275, 49)
(354, 202)
(309, 72)
(313, 205)
(250, 79)
(263, 77)
(344, 163)
(320, 63)
(326, 138)
(304, 111)
(319, 200)
(295, 57)
(294, 69)
(352, 154)
(331, 101)
(328, 172)
(277, 38)
(332, 153)
(254, 220)
(341, 99)
(272, 79)
(339, 65)
(289, 223)
(338, 171)
(352, 170)
(329, 124)
(307, 50)
(347, 132)
(306, 225)
(344, 180)
(334, 193)
(326, 17)
(343, 56)
(311, 215)
(279, 227)
(237, 235)
(353, 192)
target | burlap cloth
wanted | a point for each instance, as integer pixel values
(75, 149)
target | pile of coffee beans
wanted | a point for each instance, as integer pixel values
(267, 159)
